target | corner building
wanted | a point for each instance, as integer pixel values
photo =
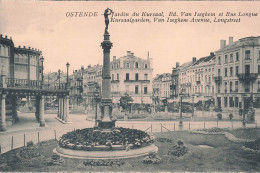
(237, 70)
(132, 75)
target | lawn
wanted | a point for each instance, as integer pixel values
(224, 156)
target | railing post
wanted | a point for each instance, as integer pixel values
(12, 145)
(24, 140)
(38, 137)
(217, 123)
(232, 124)
(55, 134)
(161, 127)
(151, 128)
(174, 126)
(189, 125)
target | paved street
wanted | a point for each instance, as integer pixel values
(29, 127)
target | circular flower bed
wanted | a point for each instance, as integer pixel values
(90, 138)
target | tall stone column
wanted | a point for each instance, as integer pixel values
(41, 112)
(106, 102)
(62, 108)
(67, 109)
(58, 98)
(3, 114)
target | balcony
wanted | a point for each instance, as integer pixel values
(247, 77)
(23, 83)
(217, 78)
(133, 81)
(114, 81)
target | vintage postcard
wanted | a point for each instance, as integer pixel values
(133, 86)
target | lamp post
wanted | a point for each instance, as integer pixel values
(67, 75)
(180, 122)
(96, 94)
(59, 77)
(42, 59)
(192, 105)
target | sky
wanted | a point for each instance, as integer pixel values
(44, 25)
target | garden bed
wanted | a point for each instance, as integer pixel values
(91, 139)
(226, 156)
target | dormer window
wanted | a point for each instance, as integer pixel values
(136, 65)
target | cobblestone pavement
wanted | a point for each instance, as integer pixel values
(27, 128)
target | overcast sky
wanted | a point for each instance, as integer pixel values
(44, 25)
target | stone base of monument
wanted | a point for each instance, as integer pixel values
(106, 124)
(111, 154)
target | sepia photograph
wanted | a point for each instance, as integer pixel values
(133, 86)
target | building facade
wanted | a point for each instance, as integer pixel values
(133, 76)
(237, 70)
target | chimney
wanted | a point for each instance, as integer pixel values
(114, 58)
(1, 35)
(148, 56)
(193, 60)
(222, 43)
(230, 40)
(177, 64)
(211, 54)
(128, 53)
(5, 36)
(24, 47)
(132, 54)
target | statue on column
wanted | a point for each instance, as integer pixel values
(107, 12)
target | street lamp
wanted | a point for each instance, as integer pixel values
(59, 77)
(42, 59)
(180, 122)
(96, 95)
(192, 105)
(67, 74)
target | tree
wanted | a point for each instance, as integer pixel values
(124, 101)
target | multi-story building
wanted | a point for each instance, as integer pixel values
(92, 84)
(132, 75)
(76, 87)
(237, 70)
(22, 77)
(197, 80)
(161, 87)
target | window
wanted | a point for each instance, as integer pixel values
(236, 101)
(136, 89)
(219, 60)
(145, 76)
(231, 71)
(225, 101)
(247, 54)
(145, 66)
(231, 103)
(226, 59)
(226, 72)
(231, 57)
(206, 78)
(127, 76)
(258, 88)
(247, 85)
(236, 86)
(145, 90)
(209, 80)
(225, 87)
(212, 90)
(230, 86)
(136, 65)
(237, 56)
(112, 76)
(117, 76)
(127, 65)
(127, 88)
(236, 70)
(247, 69)
(258, 69)
(219, 72)
(136, 76)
